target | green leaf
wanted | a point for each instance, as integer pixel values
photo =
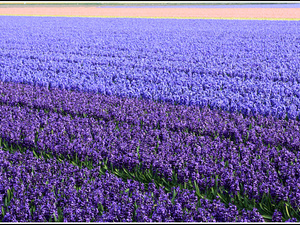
(222, 198)
(264, 208)
(55, 219)
(126, 171)
(267, 217)
(197, 189)
(142, 177)
(35, 154)
(135, 205)
(226, 164)
(100, 207)
(287, 211)
(8, 195)
(174, 195)
(213, 191)
(60, 215)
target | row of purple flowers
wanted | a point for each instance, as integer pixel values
(259, 129)
(246, 66)
(33, 190)
(206, 157)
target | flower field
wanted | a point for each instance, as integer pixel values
(149, 120)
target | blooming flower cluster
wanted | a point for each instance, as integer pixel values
(34, 190)
(246, 66)
(209, 109)
(248, 156)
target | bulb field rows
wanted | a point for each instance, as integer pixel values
(149, 120)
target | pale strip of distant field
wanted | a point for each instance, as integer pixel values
(148, 17)
(168, 13)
